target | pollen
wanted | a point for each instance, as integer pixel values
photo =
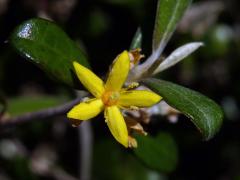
(110, 98)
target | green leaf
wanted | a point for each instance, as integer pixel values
(168, 15)
(204, 112)
(49, 47)
(159, 153)
(24, 104)
(129, 169)
(137, 40)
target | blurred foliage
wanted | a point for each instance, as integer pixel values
(23, 104)
(116, 164)
(219, 40)
(159, 153)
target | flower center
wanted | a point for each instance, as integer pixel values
(110, 98)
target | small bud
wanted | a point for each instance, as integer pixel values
(134, 125)
(132, 143)
(135, 56)
(75, 123)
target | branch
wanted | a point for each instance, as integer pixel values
(42, 114)
(85, 134)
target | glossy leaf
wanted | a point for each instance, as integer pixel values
(204, 112)
(159, 153)
(49, 47)
(137, 40)
(168, 15)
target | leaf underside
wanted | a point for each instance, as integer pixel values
(169, 13)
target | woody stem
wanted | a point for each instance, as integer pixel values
(38, 115)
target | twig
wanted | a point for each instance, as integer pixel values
(85, 149)
(42, 114)
(85, 132)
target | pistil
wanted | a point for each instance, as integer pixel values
(110, 98)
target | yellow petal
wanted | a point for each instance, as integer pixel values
(138, 98)
(91, 82)
(119, 72)
(86, 110)
(117, 124)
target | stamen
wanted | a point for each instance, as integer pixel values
(132, 85)
(134, 108)
(110, 98)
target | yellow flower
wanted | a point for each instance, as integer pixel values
(109, 97)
